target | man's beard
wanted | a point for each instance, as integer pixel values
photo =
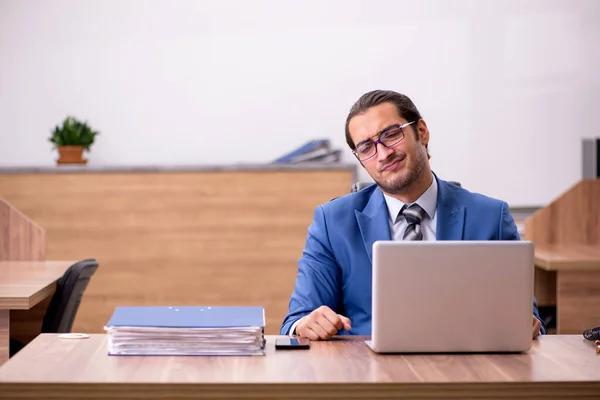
(401, 182)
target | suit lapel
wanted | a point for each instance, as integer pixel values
(373, 221)
(450, 213)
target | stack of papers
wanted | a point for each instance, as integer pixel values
(186, 330)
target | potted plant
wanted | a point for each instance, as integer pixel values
(71, 140)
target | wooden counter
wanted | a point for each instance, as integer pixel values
(227, 235)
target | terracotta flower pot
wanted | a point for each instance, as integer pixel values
(70, 155)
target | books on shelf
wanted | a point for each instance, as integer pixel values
(186, 330)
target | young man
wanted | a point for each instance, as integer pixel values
(385, 131)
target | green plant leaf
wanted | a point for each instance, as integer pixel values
(73, 133)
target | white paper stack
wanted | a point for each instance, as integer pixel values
(186, 330)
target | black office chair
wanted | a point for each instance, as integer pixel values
(65, 302)
(361, 185)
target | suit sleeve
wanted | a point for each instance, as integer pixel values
(509, 231)
(318, 281)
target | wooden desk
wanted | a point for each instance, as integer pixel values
(555, 367)
(568, 258)
(23, 284)
(568, 277)
(566, 234)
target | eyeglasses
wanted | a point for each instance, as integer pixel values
(388, 138)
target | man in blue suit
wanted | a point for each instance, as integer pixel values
(384, 129)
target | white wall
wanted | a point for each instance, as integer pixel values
(508, 87)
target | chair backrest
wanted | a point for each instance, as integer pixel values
(361, 185)
(65, 302)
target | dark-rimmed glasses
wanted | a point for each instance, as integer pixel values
(390, 137)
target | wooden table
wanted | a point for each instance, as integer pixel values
(23, 284)
(555, 367)
(568, 258)
(568, 277)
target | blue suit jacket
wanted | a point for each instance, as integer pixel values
(335, 267)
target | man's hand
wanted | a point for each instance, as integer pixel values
(322, 324)
(536, 327)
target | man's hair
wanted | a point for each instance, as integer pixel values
(406, 109)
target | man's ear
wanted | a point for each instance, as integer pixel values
(423, 132)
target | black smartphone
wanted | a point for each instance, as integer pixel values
(292, 343)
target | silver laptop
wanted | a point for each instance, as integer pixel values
(452, 296)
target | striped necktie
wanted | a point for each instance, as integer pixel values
(413, 214)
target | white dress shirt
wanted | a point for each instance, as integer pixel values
(427, 201)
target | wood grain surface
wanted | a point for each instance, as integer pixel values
(571, 219)
(23, 284)
(178, 238)
(21, 238)
(556, 367)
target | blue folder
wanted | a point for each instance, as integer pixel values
(188, 317)
(306, 148)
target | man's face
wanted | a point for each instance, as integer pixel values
(397, 168)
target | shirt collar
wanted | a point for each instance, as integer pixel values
(427, 201)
